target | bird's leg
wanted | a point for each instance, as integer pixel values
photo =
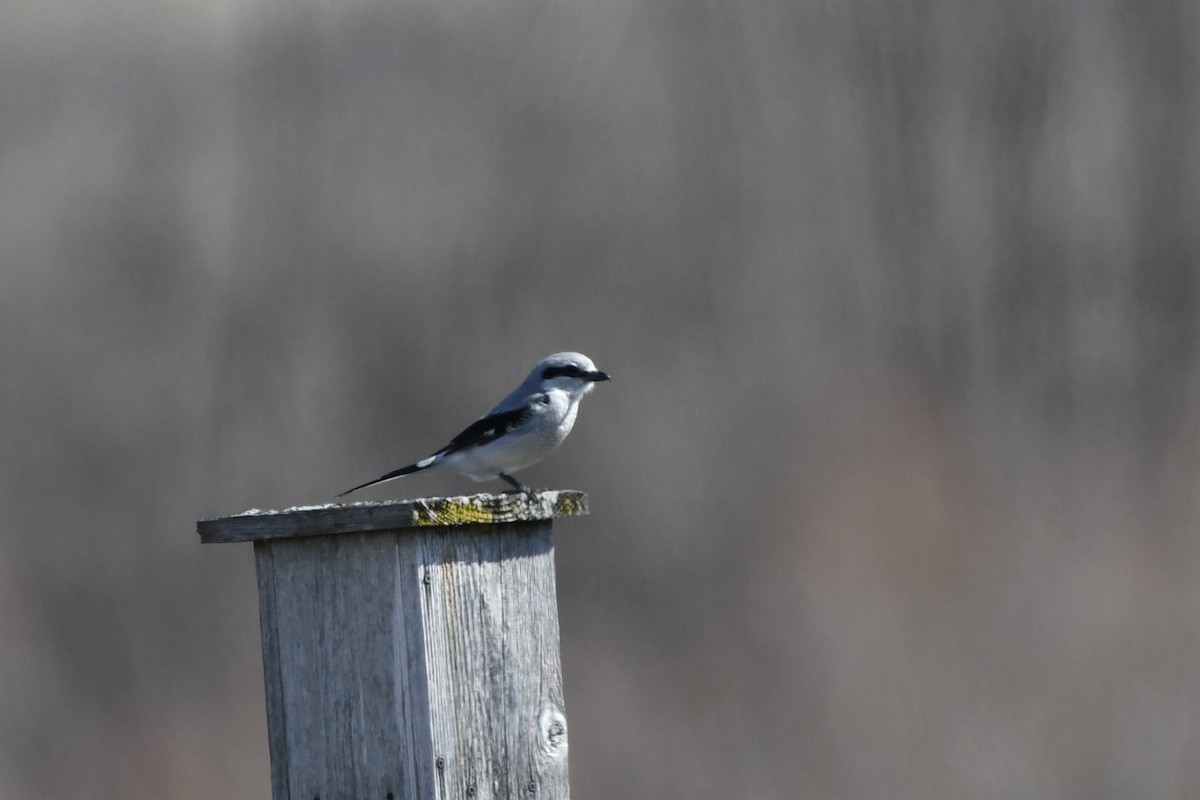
(517, 485)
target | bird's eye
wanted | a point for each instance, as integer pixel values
(562, 370)
(544, 399)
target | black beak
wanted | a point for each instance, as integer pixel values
(597, 376)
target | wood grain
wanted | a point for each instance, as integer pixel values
(256, 525)
(417, 663)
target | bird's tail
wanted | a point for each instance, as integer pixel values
(424, 463)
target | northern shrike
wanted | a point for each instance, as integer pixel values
(521, 430)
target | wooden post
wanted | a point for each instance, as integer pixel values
(410, 649)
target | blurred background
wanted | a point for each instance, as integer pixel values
(894, 491)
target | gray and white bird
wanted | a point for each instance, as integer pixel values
(521, 430)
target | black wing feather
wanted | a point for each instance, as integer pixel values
(482, 431)
(488, 429)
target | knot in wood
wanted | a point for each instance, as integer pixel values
(552, 732)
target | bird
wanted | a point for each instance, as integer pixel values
(521, 430)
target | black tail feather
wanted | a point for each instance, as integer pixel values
(411, 468)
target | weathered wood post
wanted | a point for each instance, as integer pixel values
(410, 649)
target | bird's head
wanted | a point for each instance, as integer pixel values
(572, 372)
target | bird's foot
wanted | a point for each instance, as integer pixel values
(518, 487)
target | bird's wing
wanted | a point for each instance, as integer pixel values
(489, 428)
